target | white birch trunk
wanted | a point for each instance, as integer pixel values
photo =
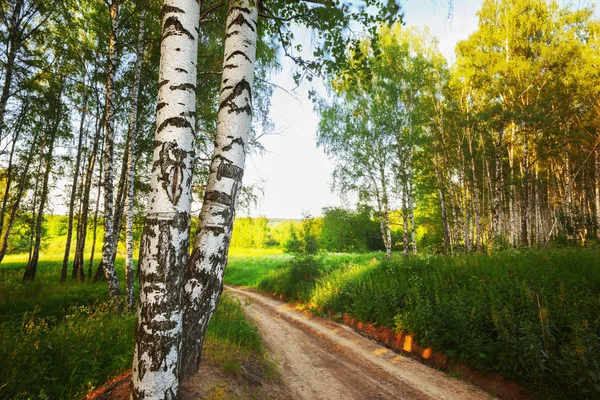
(496, 190)
(204, 280)
(108, 248)
(597, 191)
(411, 217)
(130, 163)
(156, 359)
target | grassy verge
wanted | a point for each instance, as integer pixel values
(533, 316)
(59, 341)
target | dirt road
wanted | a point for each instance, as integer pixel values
(320, 359)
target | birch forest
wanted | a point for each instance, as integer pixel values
(125, 130)
(501, 147)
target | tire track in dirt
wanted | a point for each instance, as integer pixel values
(320, 359)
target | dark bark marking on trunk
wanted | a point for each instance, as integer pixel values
(230, 34)
(239, 88)
(170, 9)
(239, 141)
(240, 19)
(188, 114)
(238, 53)
(216, 230)
(230, 171)
(163, 83)
(219, 197)
(177, 122)
(171, 164)
(184, 86)
(181, 70)
(173, 27)
(161, 105)
(230, 66)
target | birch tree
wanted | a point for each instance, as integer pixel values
(165, 243)
(130, 162)
(108, 248)
(204, 276)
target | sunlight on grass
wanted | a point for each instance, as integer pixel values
(242, 252)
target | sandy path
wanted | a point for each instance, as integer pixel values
(320, 359)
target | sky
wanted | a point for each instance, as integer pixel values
(295, 174)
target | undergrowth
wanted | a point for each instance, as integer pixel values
(533, 316)
(60, 341)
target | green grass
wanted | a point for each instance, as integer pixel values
(59, 341)
(533, 316)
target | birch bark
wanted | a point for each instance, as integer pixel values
(130, 163)
(30, 271)
(156, 360)
(108, 246)
(65, 264)
(597, 191)
(18, 197)
(496, 190)
(204, 278)
(78, 262)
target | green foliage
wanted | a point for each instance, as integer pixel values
(305, 241)
(296, 280)
(59, 341)
(348, 231)
(229, 325)
(250, 233)
(533, 316)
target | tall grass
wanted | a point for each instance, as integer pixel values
(59, 341)
(533, 316)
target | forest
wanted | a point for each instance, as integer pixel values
(473, 186)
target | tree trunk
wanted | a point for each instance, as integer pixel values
(108, 247)
(384, 209)
(78, 262)
(95, 228)
(597, 191)
(130, 163)
(411, 217)
(31, 269)
(14, 41)
(386, 232)
(158, 334)
(496, 190)
(523, 239)
(10, 168)
(405, 220)
(65, 264)
(476, 203)
(204, 279)
(19, 196)
(442, 198)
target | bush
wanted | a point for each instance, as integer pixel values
(296, 280)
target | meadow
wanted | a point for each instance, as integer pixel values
(532, 316)
(60, 341)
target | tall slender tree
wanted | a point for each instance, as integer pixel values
(165, 243)
(108, 247)
(204, 277)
